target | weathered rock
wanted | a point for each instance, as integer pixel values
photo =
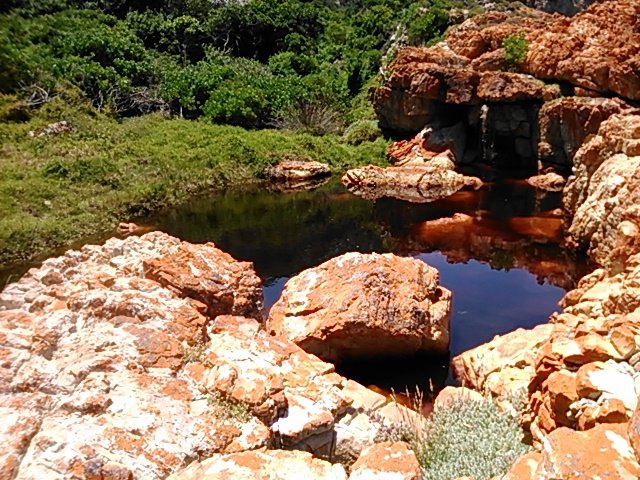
(297, 170)
(504, 366)
(450, 395)
(262, 465)
(418, 184)
(551, 182)
(602, 452)
(598, 49)
(92, 382)
(566, 122)
(360, 305)
(602, 193)
(431, 142)
(386, 461)
(213, 277)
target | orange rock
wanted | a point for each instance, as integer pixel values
(386, 460)
(360, 305)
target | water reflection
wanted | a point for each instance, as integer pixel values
(499, 254)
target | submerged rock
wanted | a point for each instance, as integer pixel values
(362, 305)
(411, 183)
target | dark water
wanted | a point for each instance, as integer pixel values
(503, 263)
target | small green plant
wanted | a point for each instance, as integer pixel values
(226, 409)
(194, 353)
(464, 438)
(515, 50)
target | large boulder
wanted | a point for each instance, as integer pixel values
(412, 183)
(363, 305)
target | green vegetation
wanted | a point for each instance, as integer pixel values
(55, 190)
(251, 63)
(515, 50)
(464, 438)
(155, 91)
(227, 409)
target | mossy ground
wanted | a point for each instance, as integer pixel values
(57, 190)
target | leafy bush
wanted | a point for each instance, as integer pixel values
(430, 22)
(515, 50)
(465, 438)
(362, 131)
(314, 117)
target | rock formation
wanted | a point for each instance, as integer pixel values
(363, 305)
(294, 175)
(412, 183)
(131, 359)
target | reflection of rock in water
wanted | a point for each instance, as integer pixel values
(297, 185)
(531, 243)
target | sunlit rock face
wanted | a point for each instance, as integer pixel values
(362, 305)
(411, 183)
(94, 343)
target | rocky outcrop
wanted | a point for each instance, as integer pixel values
(601, 196)
(93, 380)
(362, 305)
(411, 183)
(566, 122)
(432, 142)
(598, 49)
(129, 360)
(262, 465)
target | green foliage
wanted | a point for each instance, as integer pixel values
(362, 131)
(55, 190)
(227, 410)
(134, 56)
(515, 50)
(465, 438)
(429, 21)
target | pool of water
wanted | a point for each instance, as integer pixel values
(500, 257)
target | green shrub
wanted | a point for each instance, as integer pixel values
(362, 131)
(465, 438)
(515, 50)
(429, 23)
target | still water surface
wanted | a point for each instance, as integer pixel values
(503, 264)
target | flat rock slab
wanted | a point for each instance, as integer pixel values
(363, 305)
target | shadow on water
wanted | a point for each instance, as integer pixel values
(497, 249)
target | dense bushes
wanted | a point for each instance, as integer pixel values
(244, 63)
